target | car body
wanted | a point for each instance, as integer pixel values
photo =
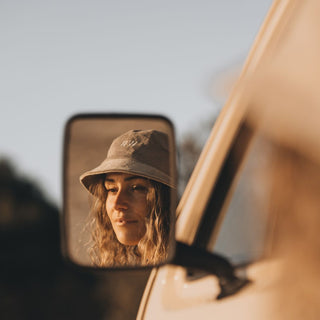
(264, 149)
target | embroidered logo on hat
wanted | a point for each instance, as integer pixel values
(128, 143)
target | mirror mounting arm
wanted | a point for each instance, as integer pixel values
(197, 258)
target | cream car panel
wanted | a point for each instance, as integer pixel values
(287, 83)
(175, 298)
(171, 295)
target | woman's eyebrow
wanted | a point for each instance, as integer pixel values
(108, 180)
(134, 178)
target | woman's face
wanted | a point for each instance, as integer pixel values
(127, 206)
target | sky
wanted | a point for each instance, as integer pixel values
(59, 58)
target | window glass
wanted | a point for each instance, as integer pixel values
(244, 225)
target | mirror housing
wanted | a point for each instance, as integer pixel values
(103, 147)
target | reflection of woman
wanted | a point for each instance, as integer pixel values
(131, 208)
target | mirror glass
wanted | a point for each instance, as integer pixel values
(119, 190)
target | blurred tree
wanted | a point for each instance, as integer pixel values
(35, 282)
(189, 149)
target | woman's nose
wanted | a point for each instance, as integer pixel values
(121, 200)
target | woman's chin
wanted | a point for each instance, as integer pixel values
(129, 236)
(128, 240)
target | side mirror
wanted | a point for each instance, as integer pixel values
(119, 191)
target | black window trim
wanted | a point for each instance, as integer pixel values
(221, 192)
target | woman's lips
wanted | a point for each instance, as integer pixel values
(124, 222)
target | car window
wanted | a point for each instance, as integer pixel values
(243, 226)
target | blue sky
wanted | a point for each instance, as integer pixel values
(59, 58)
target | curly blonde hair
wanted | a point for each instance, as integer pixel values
(152, 249)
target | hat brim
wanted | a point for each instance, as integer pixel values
(130, 166)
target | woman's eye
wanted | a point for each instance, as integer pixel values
(111, 190)
(137, 187)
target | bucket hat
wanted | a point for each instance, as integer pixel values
(140, 152)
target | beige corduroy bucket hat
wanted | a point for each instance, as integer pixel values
(141, 152)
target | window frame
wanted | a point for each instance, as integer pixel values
(223, 188)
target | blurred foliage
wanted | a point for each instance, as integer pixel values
(35, 281)
(189, 149)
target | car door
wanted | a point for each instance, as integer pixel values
(271, 112)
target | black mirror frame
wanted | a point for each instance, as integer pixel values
(63, 216)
